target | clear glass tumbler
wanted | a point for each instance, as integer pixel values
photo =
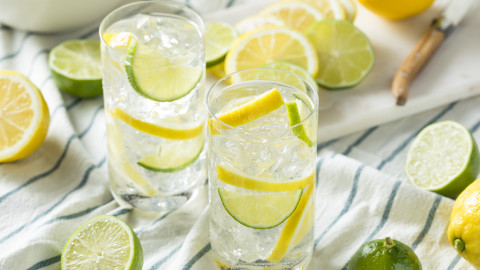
(153, 60)
(262, 132)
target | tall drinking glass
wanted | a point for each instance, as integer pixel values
(262, 130)
(154, 91)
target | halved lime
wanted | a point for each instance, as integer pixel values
(286, 77)
(173, 156)
(345, 54)
(260, 184)
(219, 38)
(103, 242)
(443, 158)
(294, 120)
(157, 76)
(260, 210)
(76, 67)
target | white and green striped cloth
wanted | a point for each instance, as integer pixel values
(362, 192)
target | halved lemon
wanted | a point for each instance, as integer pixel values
(24, 116)
(260, 210)
(260, 184)
(258, 48)
(297, 15)
(157, 76)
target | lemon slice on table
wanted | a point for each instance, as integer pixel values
(260, 184)
(297, 15)
(258, 48)
(256, 22)
(103, 242)
(158, 76)
(345, 54)
(296, 227)
(350, 8)
(219, 38)
(443, 158)
(260, 210)
(174, 155)
(24, 116)
(331, 9)
(76, 67)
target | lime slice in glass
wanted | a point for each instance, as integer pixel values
(157, 76)
(219, 38)
(76, 67)
(294, 120)
(443, 158)
(173, 156)
(260, 210)
(103, 242)
(345, 54)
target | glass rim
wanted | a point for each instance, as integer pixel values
(224, 78)
(200, 25)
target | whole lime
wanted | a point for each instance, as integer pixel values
(384, 254)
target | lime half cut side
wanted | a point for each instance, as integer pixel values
(219, 38)
(157, 76)
(173, 156)
(76, 68)
(443, 158)
(345, 54)
(103, 242)
(260, 210)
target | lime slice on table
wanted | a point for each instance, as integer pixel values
(158, 76)
(345, 54)
(103, 242)
(260, 210)
(219, 38)
(173, 156)
(443, 158)
(76, 67)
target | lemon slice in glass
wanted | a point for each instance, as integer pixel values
(258, 48)
(443, 158)
(24, 117)
(157, 76)
(219, 38)
(75, 66)
(345, 54)
(103, 242)
(260, 210)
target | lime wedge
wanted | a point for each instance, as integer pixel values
(260, 210)
(294, 120)
(173, 156)
(103, 242)
(172, 133)
(76, 67)
(443, 158)
(345, 54)
(219, 38)
(287, 78)
(260, 184)
(296, 227)
(157, 76)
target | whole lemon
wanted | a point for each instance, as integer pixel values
(464, 226)
(396, 9)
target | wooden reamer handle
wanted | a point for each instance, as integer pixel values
(414, 62)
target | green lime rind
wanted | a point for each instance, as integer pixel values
(153, 77)
(294, 120)
(344, 60)
(379, 255)
(153, 162)
(75, 66)
(219, 38)
(89, 231)
(257, 226)
(453, 186)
